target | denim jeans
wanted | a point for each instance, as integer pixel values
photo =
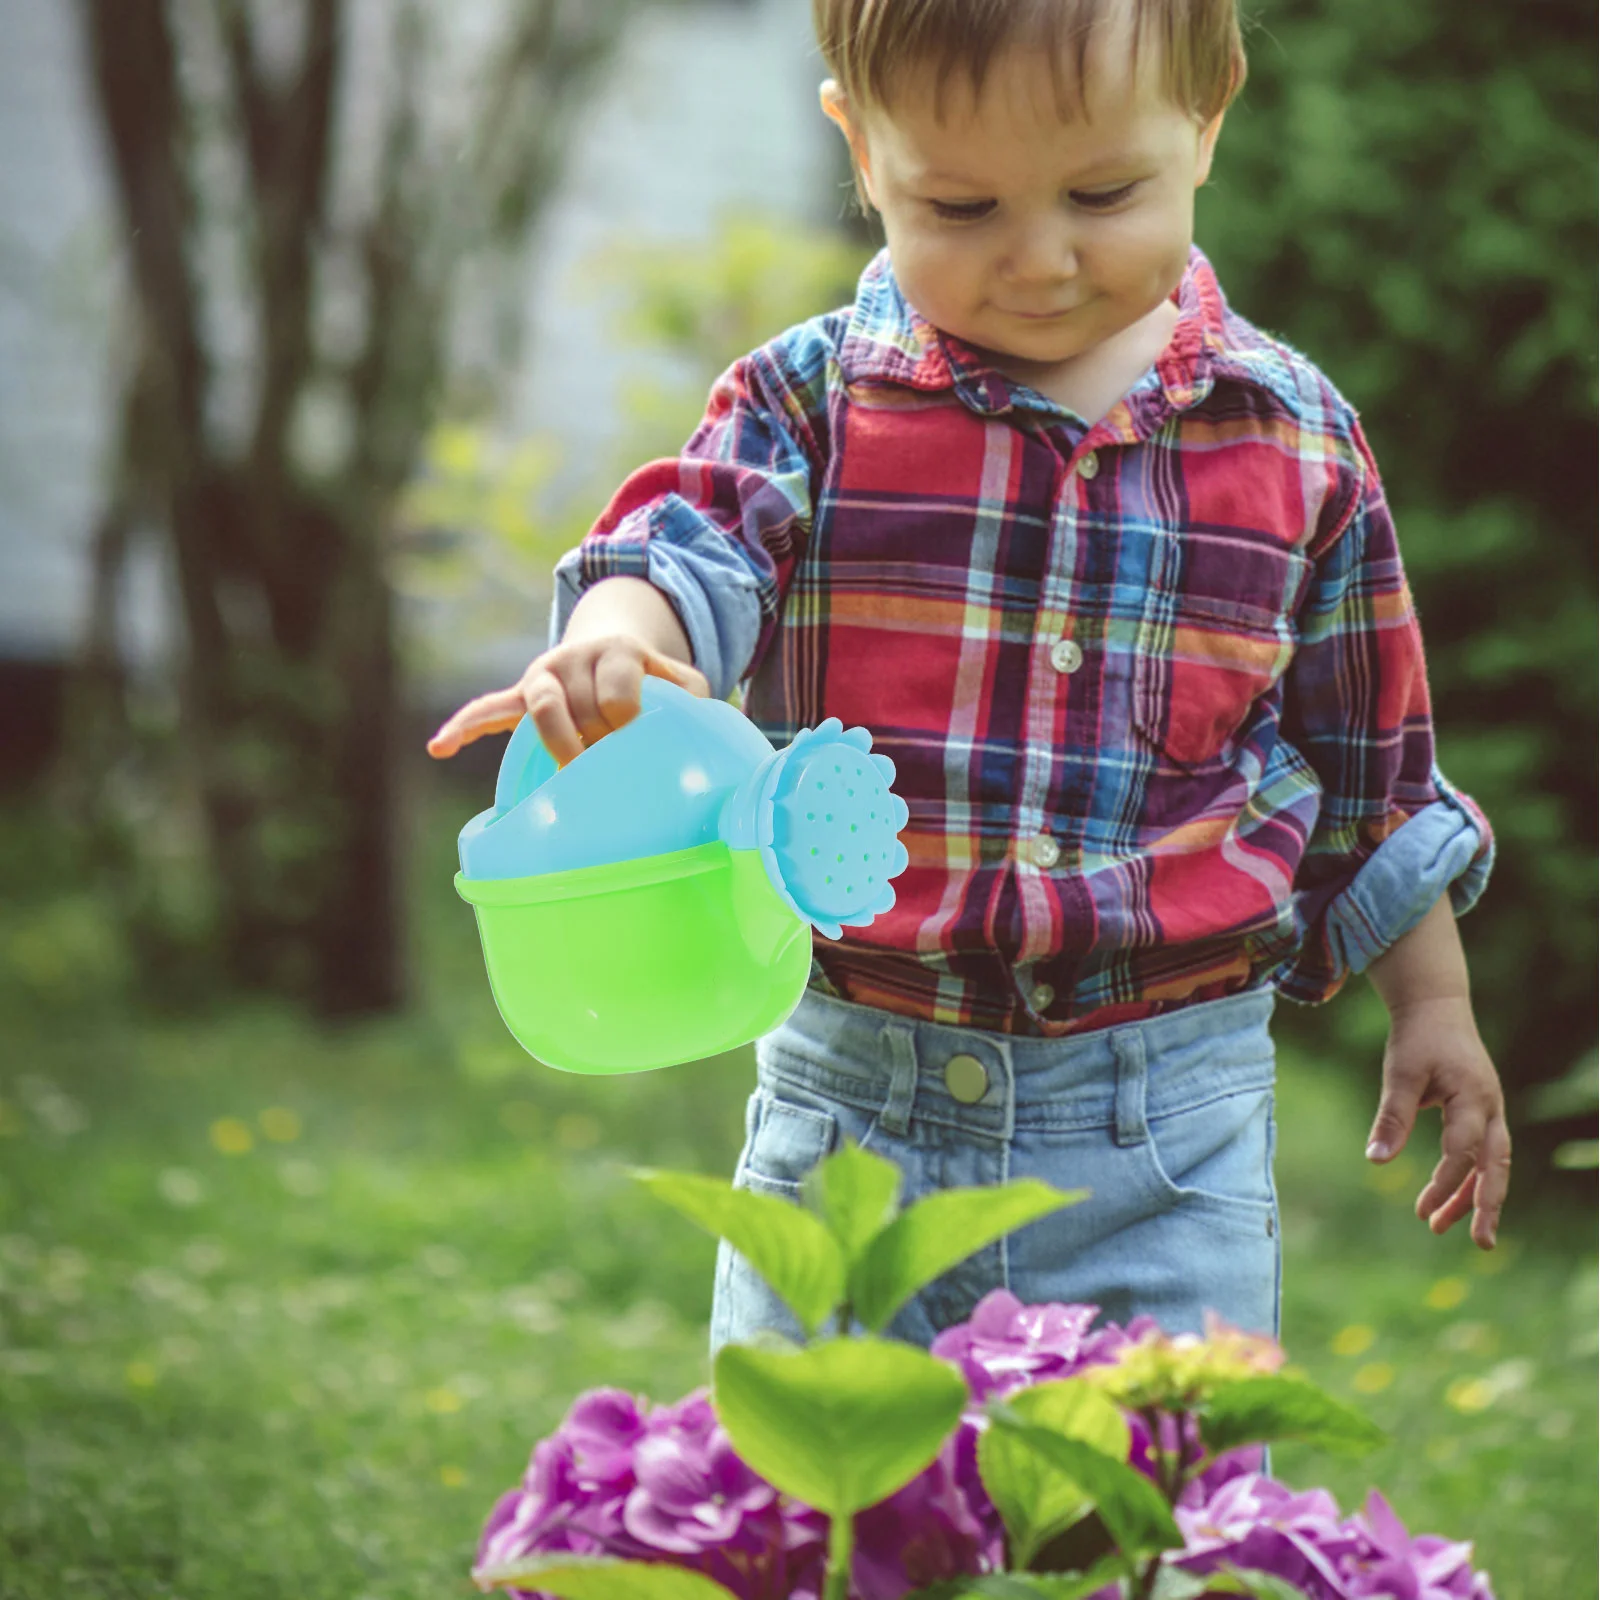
(1168, 1122)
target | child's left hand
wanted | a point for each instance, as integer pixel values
(1435, 1058)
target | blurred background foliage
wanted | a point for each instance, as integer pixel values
(1408, 194)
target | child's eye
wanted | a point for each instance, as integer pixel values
(1102, 199)
(962, 210)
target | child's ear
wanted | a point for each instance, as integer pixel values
(1208, 145)
(836, 108)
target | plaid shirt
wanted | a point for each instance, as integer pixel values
(1154, 688)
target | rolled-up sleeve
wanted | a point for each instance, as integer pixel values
(1392, 834)
(717, 529)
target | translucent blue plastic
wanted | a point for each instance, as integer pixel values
(654, 785)
(687, 772)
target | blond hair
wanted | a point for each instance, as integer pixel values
(870, 44)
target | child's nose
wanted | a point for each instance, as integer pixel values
(1043, 251)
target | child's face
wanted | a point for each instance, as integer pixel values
(1030, 236)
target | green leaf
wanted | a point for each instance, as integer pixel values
(1257, 1585)
(793, 1250)
(1173, 1583)
(854, 1192)
(1035, 1499)
(841, 1424)
(571, 1577)
(1030, 1585)
(938, 1231)
(1270, 1406)
(1131, 1507)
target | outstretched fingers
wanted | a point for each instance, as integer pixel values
(489, 713)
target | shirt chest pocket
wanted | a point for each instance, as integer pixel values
(1216, 636)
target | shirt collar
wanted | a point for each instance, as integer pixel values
(888, 341)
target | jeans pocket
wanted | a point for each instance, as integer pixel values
(784, 1141)
(1216, 1158)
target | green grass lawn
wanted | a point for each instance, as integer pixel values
(282, 1312)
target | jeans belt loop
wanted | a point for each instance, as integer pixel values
(1127, 1044)
(900, 1046)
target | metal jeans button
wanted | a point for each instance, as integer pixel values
(966, 1079)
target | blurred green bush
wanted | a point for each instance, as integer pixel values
(1407, 193)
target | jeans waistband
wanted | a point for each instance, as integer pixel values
(1114, 1076)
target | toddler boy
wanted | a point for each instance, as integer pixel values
(1109, 574)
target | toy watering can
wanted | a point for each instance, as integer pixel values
(652, 902)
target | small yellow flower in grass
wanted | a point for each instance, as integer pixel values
(442, 1402)
(141, 1374)
(578, 1131)
(1354, 1340)
(452, 1477)
(280, 1124)
(1446, 1294)
(1373, 1378)
(232, 1137)
(1469, 1395)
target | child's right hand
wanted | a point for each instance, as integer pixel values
(576, 693)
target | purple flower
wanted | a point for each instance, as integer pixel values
(662, 1486)
(1007, 1345)
(1256, 1523)
(1398, 1566)
(935, 1527)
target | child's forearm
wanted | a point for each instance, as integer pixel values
(1426, 964)
(631, 606)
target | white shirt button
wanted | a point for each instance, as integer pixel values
(1044, 851)
(1066, 655)
(1088, 465)
(1041, 997)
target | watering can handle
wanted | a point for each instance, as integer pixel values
(526, 764)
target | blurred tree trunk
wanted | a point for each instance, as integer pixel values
(221, 142)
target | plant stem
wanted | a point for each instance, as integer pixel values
(1145, 1583)
(841, 1547)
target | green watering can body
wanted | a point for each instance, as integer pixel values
(653, 901)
